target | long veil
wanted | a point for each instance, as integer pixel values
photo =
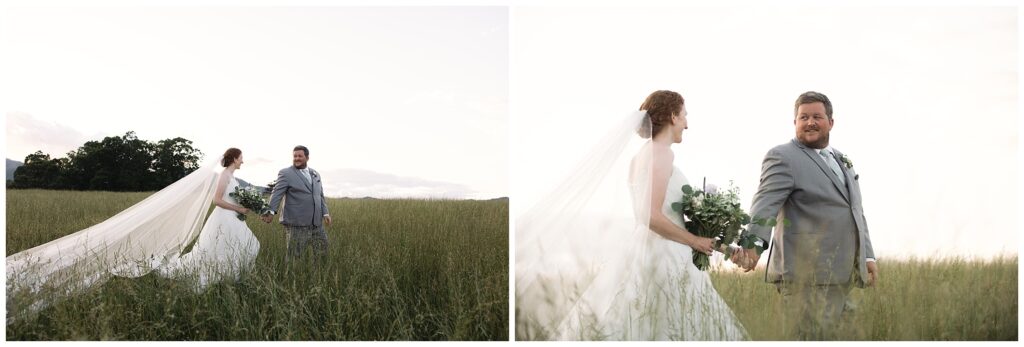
(132, 243)
(581, 251)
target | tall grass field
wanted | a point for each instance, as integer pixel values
(951, 299)
(395, 270)
(944, 299)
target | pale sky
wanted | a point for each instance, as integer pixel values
(391, 101)
(925, 104)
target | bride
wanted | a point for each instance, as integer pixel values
(225, 246)
(150, 235)
(605, 257)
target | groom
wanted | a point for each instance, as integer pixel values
(821, 249)
(305, 208)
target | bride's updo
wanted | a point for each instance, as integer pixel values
(660, 107)
(229, 156)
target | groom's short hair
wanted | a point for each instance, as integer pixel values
(813, 97)
(301, 148)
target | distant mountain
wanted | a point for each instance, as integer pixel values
(243, 183)
(11, 166)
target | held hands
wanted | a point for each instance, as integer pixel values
(744, 258)
(750, 258)
(737, 256)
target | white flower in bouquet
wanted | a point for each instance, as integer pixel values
(711, 189)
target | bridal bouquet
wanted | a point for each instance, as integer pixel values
(715, 214)
(250, 198)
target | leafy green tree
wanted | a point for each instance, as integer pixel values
(39, 171)
(116, 163)
(172, 160)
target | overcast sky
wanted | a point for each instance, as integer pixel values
(414, 101)
(925, 103)
(391, 101)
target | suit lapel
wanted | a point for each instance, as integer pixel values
(818, 160)
(846, 171)
(309, 185)
(312, 180)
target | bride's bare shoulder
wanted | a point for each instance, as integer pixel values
(225, 177)
(663, 156)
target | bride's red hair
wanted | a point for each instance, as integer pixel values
(229, 156)
(660, 107)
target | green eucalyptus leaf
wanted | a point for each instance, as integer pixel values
(677, 206)
(746, 243)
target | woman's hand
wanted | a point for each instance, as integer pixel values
(702, 244)
(243, 210)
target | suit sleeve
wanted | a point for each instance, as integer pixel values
(868, 249)
(776, 185)
(279, 189)
(323, 200)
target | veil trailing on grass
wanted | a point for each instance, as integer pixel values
(581, 252)
(132, 243)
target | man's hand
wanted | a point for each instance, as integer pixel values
(872, 273)
(738, 257)
(266, 218)
(327, 220)
(751, 257)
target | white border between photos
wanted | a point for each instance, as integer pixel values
(513, 206)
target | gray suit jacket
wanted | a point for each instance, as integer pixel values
(304, 204)
(827, 238)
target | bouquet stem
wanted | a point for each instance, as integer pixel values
(701, 260)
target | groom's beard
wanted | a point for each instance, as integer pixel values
(822, 141)
(300, 167)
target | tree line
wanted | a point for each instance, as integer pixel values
(117, 163)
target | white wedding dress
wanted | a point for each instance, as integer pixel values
(588, 266)
(225, 247)
(148, 236)
(678, 301)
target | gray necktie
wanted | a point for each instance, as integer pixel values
(305, 174)
(830, 159)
